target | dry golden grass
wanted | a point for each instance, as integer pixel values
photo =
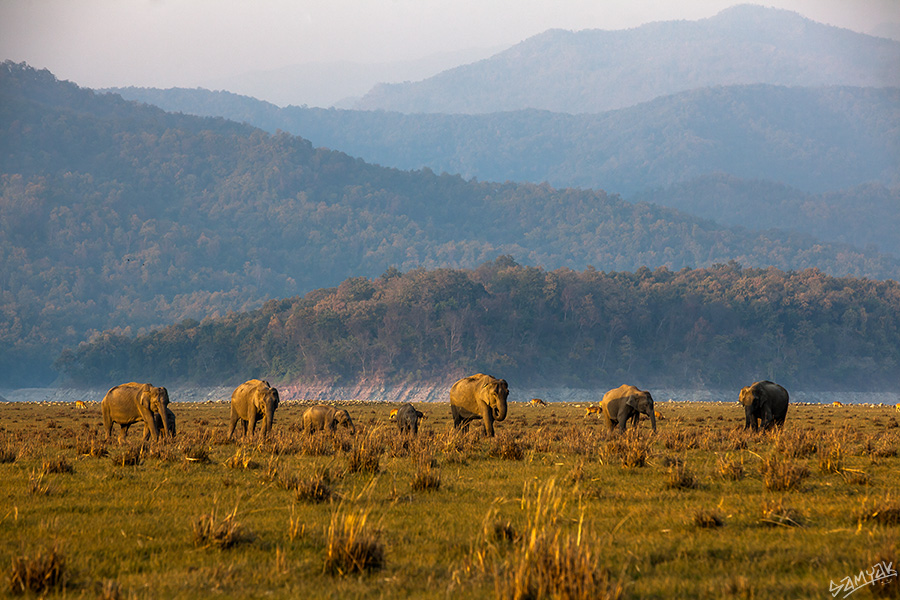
(553, 506)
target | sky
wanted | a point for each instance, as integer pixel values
(183, 43)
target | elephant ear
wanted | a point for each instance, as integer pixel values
(633, 401)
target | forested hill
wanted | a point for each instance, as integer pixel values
(593, 71)
(721, 327)
(116, 214)
(813, 139)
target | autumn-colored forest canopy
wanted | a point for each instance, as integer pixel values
(721, 326)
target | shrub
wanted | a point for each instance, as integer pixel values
(44, 572)
(350, 547)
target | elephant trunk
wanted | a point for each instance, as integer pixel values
(269, 418)
(165, 421)
(652, 416)
(500, 411)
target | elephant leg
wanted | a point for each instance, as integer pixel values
(243, 428)
(234, 421)
(457, 419)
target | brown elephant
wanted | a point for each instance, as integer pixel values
(250, 401)
(129, 403)
(625, 403)
(476, 397)
(764, 401)
(322, 416)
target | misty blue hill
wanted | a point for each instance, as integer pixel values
(116, 214)
(593, 71)
(754, 155)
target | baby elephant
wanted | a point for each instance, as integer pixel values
(408, 419)
(322, 416)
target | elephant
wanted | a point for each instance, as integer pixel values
(624, 403)
(129, 403)
(408, 419)
(170, 420)
(764, 401)
(322, 416)
(250, 401)
(478, 396)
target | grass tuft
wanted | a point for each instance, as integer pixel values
(316, 488)
(775, 513)
(679, 478)
(730, 469)
(365, 454)
(427, 478)
(57, 465)
(350, 547)
(781, 474)
(707, 519)
(884, 512)
(242, 459)
(41, 573)
(505, 446)
(211, 532)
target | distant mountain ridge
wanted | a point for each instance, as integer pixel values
(823, 161)
(813, 139)
(593, 71)
(115, 214)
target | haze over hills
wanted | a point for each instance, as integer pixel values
(818, 160)
(115, 214)
(339, 83)
(593, 71)
(814, 139)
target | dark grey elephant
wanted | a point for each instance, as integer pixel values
(129, 403)
(764, 401)
(408, 419)
(322, 416)
(250, 401)
(476, 397)
(625, 403)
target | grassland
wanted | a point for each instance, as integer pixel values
(552, 507)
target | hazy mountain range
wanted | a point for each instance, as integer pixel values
(339, 84)
(593, 71)
(115, 214)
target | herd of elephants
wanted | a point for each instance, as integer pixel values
(472, 398)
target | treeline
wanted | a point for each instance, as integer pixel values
(117, 215)
(721, 326)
